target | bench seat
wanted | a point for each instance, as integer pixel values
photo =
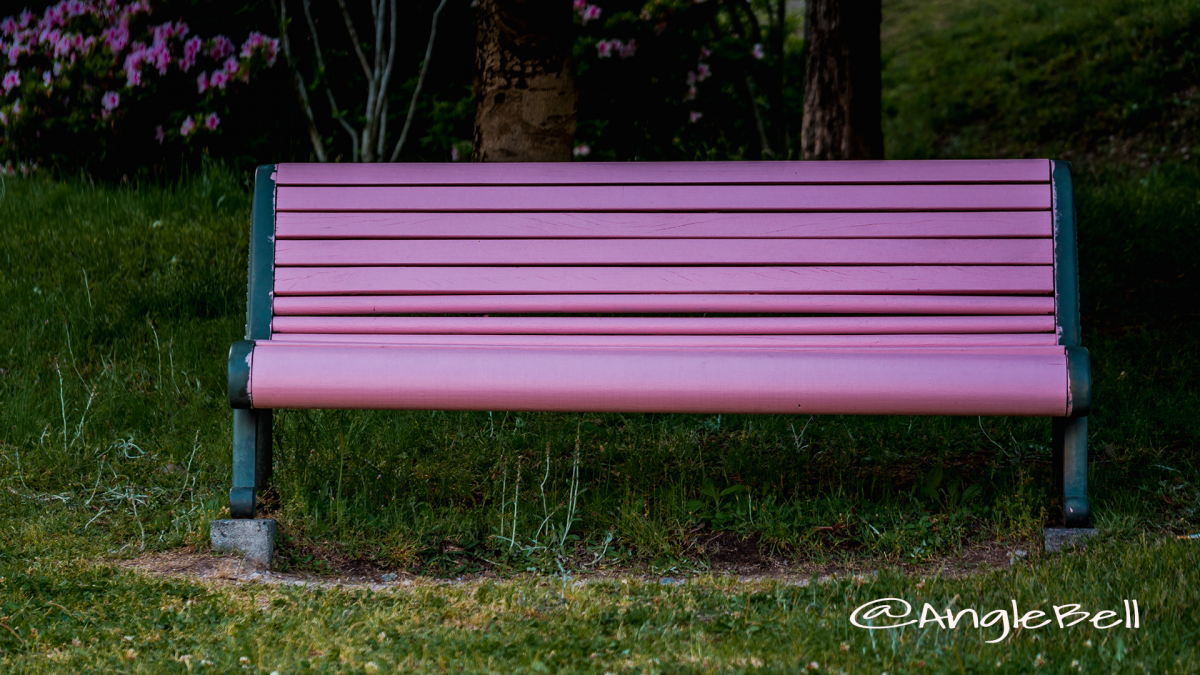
(663, 378)
(932, 287)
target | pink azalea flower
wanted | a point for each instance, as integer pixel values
(190, 49)
(702, 72)
(628, 49)
(231, 66)
(453, 154)
(160, 56)
(13, 52)
(579, 5)
(11, 79)
(604, 47)
(46, 78)
(705, 52)
(220, 47)
(26, 18)
(254, 41)
(202, 82)
(8, 25)
(218, 79)
(133, 65)
(589, 13)
(691, 77)
(110, 101)
(581, 151)
(187, 127)
(63, 46)
(164, 32)
(57, 68)
(758, 52)
(694, 116)
(159, 134)
(691, 94)
(272, 51)
(212, 121)
(116, 37)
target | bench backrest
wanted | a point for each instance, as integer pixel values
(821, 254)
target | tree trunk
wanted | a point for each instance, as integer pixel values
(842, 109)
(524, 82)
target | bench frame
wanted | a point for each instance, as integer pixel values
(252, 443)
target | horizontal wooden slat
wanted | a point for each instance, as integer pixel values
(588, 325)
(368, 252)
(631, 380)
(860, 198)
(959, 341)
(448, 280)
(924, 171)
(980, 224)
(679, 303)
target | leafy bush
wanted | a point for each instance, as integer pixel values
(90, 74)
(679, 80)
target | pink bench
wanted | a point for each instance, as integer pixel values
(886, 288)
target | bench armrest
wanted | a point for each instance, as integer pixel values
(241, 354)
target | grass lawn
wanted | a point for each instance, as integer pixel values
(118, 304)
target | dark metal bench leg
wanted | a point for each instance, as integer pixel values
(251, 459)
(1070, 468)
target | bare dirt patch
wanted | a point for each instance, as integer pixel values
(727, 556)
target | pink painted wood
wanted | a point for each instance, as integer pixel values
(963, 340)
(623, 173)
(520, 198)
(681, 303)
(363, 252)
(559, 325)
(986, 279)
(632, 380)
(979, 224)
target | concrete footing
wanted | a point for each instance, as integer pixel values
(1059, 538)
(253, 539)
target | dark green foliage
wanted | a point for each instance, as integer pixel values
(638, 108)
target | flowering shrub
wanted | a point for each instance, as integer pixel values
(99, 70)
(708, 79)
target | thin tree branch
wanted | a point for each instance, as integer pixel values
(362, 57)
(380, 14)
(366, 155)
(298, 82)
(412, 106)
(385, 84)
(312, 28)
(382, 130)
